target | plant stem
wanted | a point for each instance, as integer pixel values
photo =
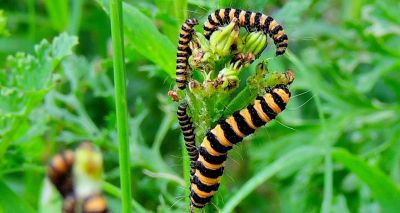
(120, 102)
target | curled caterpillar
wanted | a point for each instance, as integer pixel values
(59, 172)
(94, 203)
(218, 141)
(188, 134)
(182, 56)
(251, 21)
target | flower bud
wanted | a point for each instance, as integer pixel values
(222, 40)
(255, 43)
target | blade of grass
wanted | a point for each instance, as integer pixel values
(382, 187)
(296, 156)
(120, 102)
(116, 192)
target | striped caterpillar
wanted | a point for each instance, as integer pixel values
(182, 56)
(218, 141)
(188, 134)
(251, 21)
(59, 171)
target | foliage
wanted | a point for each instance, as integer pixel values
(335, 149)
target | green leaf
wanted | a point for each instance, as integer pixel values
(292, 159)
(11, 202)
(144, 36)
(59, 13)
(382, 187)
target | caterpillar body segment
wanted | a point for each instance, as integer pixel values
(182, 56)
(59, 172)
(252, 21)
(94, 203)
(188, 134)
(218, 141)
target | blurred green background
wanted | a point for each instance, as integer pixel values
(335, 148)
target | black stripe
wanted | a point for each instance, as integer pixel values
(182, 55)
(212, 22)
(282, 38)
(215, 144)
(180, 81)
(210, 173)
(279, 52)
(204, 187)
(181, 60)
(266, 109)
(237, 13)
(255, 118)
(180, 67)
(198, 199)
(267, 22)
(196, 206)
(226, 14)
(257, 21)
(247, 19)
(276, 29)
(229, 133)
(278, 100)
(282, 45)
(220, 21)
(184, 49)
(242, 124)
(211, 158)
(284, 88)
(183, 42)
(186, 134)
(189, 127)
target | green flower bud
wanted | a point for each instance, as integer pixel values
(224, 38)
(255, 43)
(228, 78)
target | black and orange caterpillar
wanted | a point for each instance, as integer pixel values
(94, 203)
(218, 141)
(188, 134)
(59, 171)
(182, 56)
(251, 21)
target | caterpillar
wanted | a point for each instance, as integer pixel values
(182, 56)
(188, 134)
(251, 21)
(94, 203)
(218, 141)
(59, 172)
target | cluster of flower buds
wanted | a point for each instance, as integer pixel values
(228, 45)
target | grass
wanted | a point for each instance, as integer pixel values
(335, 148)
(117, 34)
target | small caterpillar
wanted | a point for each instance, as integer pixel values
(188, 134)
(94, 203)
(251, 21)
(59, 172)
(218, 141)
(182, 56)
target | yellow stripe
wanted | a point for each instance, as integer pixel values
(242, 17)
(222, 14)
(209, 165)
(252, 19)
(214, 18)
(282, 93)
(279, 34)
(201, 193)
(271, 103)
(207, 180)
(231, 121)
(262, 20)
(272, 25)
(260, 112)
(231, 14)
(221, 137)
(209, 25)
(246, 115)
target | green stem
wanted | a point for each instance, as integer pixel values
(120, 102)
